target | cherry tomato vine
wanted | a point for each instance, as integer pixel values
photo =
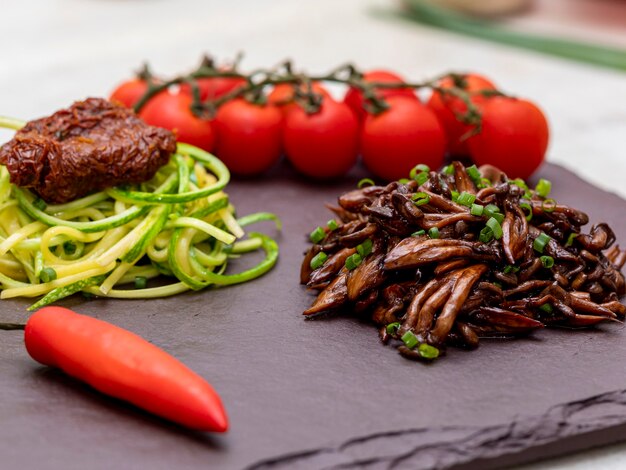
(452, 116)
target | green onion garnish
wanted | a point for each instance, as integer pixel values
(353, 261)
(419, 199)
(547, 261)
(427, 351)
(140, 282)
(448, 170)
(317, 235)
(422, 167)
(546, 308)
(495, 227)
(318, 260)
(403, 180)
(571, 238)
(529, 210)
(548, 205)
(454, 195)
(393, 327)
(47, 275)
(419, 233)
(364, 248)
(466, 199)
(477, 209)
(474, 174)
(332, 224)
(365, 182)
(520, 182)
(484, 183)
(543, 187)
(409, 339)
(433, 232)
(491, 209)
(509, 268)
(486, 235)
(421, 178)
(540, 242)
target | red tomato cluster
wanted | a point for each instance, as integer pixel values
(250, 137)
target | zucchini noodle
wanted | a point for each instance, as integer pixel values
(179, 224)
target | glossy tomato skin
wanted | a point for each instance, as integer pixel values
(282, 95)
(445, 108)
(129, 92)
(514, 136)
(214, 87)
(354, 98)
(323, 145)
(172, 111)
(406, 134)
(248, 136)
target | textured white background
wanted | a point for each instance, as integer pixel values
(57, 51)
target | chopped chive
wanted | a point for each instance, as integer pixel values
(540, 242)
(365, 182)
(422, 167)
(140, 282)
(40, 204)
(485, 183)
(466, 199)
(353, 261)
(448, 170)
(521, 183)
(318, 260)
(421, 178)
(546, 308)
(548, 205)
(419, 199)
(509, 268)
(332, 224)
(543, 187)
(454, 195)
(491, 209)
(529, 210)
(419, 233)
(409, 339)
(392, 328)
(403, 180)
(433, 232)
(495, 227)
(474, 174)
(486, 235)
(477, 209)
(547, 261)
(364, 248)
(47, 275)
(317, 235)
(571, 238)
(427, 351)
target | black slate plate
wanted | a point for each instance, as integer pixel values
(325, 393)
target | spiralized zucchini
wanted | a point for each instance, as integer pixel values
(179, 224)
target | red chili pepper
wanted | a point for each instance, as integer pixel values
(123, 365)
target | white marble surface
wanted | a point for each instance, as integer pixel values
(56, 51)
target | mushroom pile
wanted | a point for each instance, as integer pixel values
(445, 258)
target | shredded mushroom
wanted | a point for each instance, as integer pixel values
(444, 259)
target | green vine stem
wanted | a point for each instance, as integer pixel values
(257, 81)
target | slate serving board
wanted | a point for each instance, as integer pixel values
(324, 393)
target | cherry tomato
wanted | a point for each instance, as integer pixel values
(248, 136)
(214, 87)
(354, 98)
(514, 136)
(129, 92)
(445, 107)
(322, 145)
(396, 140)
(172, 111)
(283, 93)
